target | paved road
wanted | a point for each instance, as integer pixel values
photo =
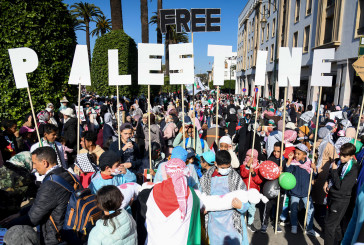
(286, 237)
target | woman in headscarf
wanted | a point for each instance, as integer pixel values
(108, 129)
(326, 155)
(169, 133)
(232, 119)
(43, 118)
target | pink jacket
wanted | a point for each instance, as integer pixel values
(170, 131)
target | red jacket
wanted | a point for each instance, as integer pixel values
(255, 180)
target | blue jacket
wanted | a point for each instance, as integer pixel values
(302, 181)
(124, 234)
(357, 220)
(97, 181)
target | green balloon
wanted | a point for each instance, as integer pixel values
(287, 181)
(358, 145)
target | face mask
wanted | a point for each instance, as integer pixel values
(116, 172)
(224, 171)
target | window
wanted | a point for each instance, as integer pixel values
(226, 73)
(265, 11)
(274, 27)
(226, 65)
(262, 35)
(269, 4)
(306, 39)
(267, 31)
(328, 29)
(271, 52)
(295, 39)
(360, 18)
(308, 7)
(297, 11)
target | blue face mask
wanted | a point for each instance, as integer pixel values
(224, 171)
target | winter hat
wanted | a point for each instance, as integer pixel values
(304, 129)
(28, 235)
(108, 159)
(225, 139)
(209, 157)
(180, 153)
(290, 125)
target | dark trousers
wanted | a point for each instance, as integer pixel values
(334, 215)
(270, 209)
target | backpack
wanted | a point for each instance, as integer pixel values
(81, 215)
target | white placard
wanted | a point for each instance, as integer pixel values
(261, 67)
(21, 67)
(80, 71)
(220, 52)
(146, 64)
(289, 67)
(338, 114)
(113, 63)
(319, 66)
(83, 119)
(185, 66)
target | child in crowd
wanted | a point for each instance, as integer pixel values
(207, 160)
(112, 173)
(300, 166)
(116, 225)
(270, 206)
(225, 143)
(228, 226)
(342, 178)
(251, 167)
(66, 150)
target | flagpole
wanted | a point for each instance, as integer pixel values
(282, 145)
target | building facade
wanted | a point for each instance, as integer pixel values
(230, 67)
(310, 24)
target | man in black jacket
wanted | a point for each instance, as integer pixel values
(51, 199)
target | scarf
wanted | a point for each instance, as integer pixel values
(340, 142)
(345, 170)
(55, 148)
(175, 168)
(43, 116)
(255, 158)
(305, 165)
(235, 183)
(324, 134)
(108, 119)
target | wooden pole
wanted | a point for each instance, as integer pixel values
(34, 118)
(117, 108)
(313, 158)
(79, 118)
(361, 113)
(217, 116)
(149, 141)
(282, 144)
(194, 113)
(256, 117)
(183, 117)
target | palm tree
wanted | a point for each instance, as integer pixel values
(116, 14)
(159, 32)
(144, 20)
(172, 37)
(85, 12)
(103, 25)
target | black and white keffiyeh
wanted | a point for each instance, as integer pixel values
(84, 163)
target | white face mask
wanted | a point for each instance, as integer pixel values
(224, 171)
(116, 172)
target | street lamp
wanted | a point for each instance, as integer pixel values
(263, 22)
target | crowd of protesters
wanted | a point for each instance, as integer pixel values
(186, 163)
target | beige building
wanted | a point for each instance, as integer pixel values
(310, 24)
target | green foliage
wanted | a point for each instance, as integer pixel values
(168, 88)
(228, 84)
(128, 64)
(47, 28)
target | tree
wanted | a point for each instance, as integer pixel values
(116, 14)
(103, 25)
(128, 63)
(144, 20)
(172, 37)
(47, 27)
(85, 13)
(159, 32)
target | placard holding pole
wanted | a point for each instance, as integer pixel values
(217, 117)
(79, 119)
(149, 141)
(118, 114)
(193, 105)
(24, 60)
(359, 68)
(183, 116)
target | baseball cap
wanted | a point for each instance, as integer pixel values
(190, 152)
(209, 157)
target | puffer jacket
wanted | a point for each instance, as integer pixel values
(125, 231)
(51, 200)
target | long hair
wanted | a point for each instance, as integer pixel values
(109, 198)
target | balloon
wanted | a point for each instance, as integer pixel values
(287, 181)
(269, 170)
(358, 145)
(271, 189)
